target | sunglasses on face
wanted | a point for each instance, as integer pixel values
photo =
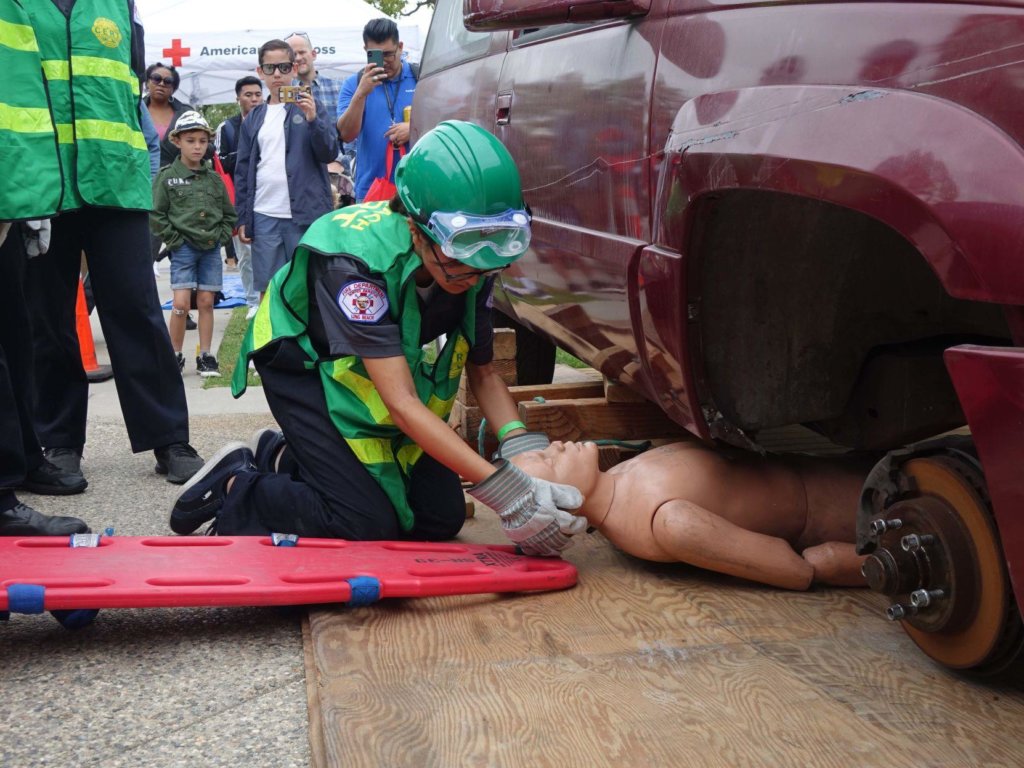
(157, 80)
(284, 68)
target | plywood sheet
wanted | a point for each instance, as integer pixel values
(642, 665)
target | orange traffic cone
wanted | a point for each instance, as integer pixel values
(93, 370)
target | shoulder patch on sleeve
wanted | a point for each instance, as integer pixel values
(362, 301)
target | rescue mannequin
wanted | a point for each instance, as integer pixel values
(787, 522)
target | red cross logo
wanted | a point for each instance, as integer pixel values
(176, 52)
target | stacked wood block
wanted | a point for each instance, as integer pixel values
(588, 410)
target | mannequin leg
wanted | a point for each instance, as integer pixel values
(836, 563)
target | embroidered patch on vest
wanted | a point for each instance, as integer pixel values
(106, 32)
(362, 301)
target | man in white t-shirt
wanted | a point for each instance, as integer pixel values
(281, 182)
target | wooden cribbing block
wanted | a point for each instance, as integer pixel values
(597, 419)
(614, 392)
(568, 390)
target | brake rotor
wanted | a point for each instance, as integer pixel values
(947, 556)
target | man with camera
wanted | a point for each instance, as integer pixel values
(281, 183)
(372, 104)
(325, 89)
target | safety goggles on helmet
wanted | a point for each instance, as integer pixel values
(461, 235)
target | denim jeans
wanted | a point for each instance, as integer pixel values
(273, 243)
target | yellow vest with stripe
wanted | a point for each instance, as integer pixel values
(94, 99)
(381, 240)
(31, 182)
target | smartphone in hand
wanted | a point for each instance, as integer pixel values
(375, 56)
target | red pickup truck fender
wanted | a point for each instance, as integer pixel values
(946, 179)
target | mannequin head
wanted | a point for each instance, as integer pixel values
(568, 463)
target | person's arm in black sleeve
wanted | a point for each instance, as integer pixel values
(482, 351)
(353, 305)
(138, 45)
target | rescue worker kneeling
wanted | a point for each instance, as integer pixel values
(364, 451)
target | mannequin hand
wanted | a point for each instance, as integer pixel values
(532, 511)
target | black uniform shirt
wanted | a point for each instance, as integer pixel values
(348, 313)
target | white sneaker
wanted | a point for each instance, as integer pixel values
(251, 313)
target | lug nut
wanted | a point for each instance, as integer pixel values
(880, 526)
(896, 611)
(912, 542)
(922, 598)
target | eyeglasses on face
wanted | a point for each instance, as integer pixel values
(161, 80)
(284, 68)
(455, 277)
(388, 55)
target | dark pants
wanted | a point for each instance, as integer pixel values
(149, 386)
(19, 449)
(328, 493)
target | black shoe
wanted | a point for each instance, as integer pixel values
(179, 461)
(265, 445)
(67, 459)
(207, 366)
(181, 362)
(190, 324)
(203, 496)
(50, 480)
(22, 520)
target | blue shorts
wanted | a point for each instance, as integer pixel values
(195, 268)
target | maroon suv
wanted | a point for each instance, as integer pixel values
(761, 214)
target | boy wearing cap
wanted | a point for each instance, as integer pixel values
(193, 215)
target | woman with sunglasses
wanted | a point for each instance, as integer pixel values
(162, 80)
(365, 451)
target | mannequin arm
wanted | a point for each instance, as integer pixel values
(699, 537)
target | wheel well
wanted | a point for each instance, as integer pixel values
(814, 313)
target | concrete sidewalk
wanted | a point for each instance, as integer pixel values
(158, 687)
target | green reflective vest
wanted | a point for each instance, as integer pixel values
(381, 240)
(30, 184)
(94, 100)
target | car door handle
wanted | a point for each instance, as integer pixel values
(503, 112)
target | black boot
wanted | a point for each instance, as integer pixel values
(22, 520)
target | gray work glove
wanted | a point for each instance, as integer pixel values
(532, 510)
(37, 237)
(528, 441)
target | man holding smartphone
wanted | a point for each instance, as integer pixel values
(281, 184)
(371, 104)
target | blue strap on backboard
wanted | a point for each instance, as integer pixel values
(25, 598)
(365, 590)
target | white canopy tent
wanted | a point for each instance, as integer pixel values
(212, 44)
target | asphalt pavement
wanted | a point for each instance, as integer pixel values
(153, 687)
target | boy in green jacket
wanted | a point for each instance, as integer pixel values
(193, 215)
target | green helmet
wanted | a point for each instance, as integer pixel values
(462, 186)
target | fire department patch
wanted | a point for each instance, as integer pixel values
(363, 302)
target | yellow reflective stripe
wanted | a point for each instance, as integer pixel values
(440, 407)
(95, 66)
(25, 119)
(408, 455)
(65, 133)
(56, 69)
(371, 450)
(262, 330)
(107, 131)
(362, 388)
(18, 37)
